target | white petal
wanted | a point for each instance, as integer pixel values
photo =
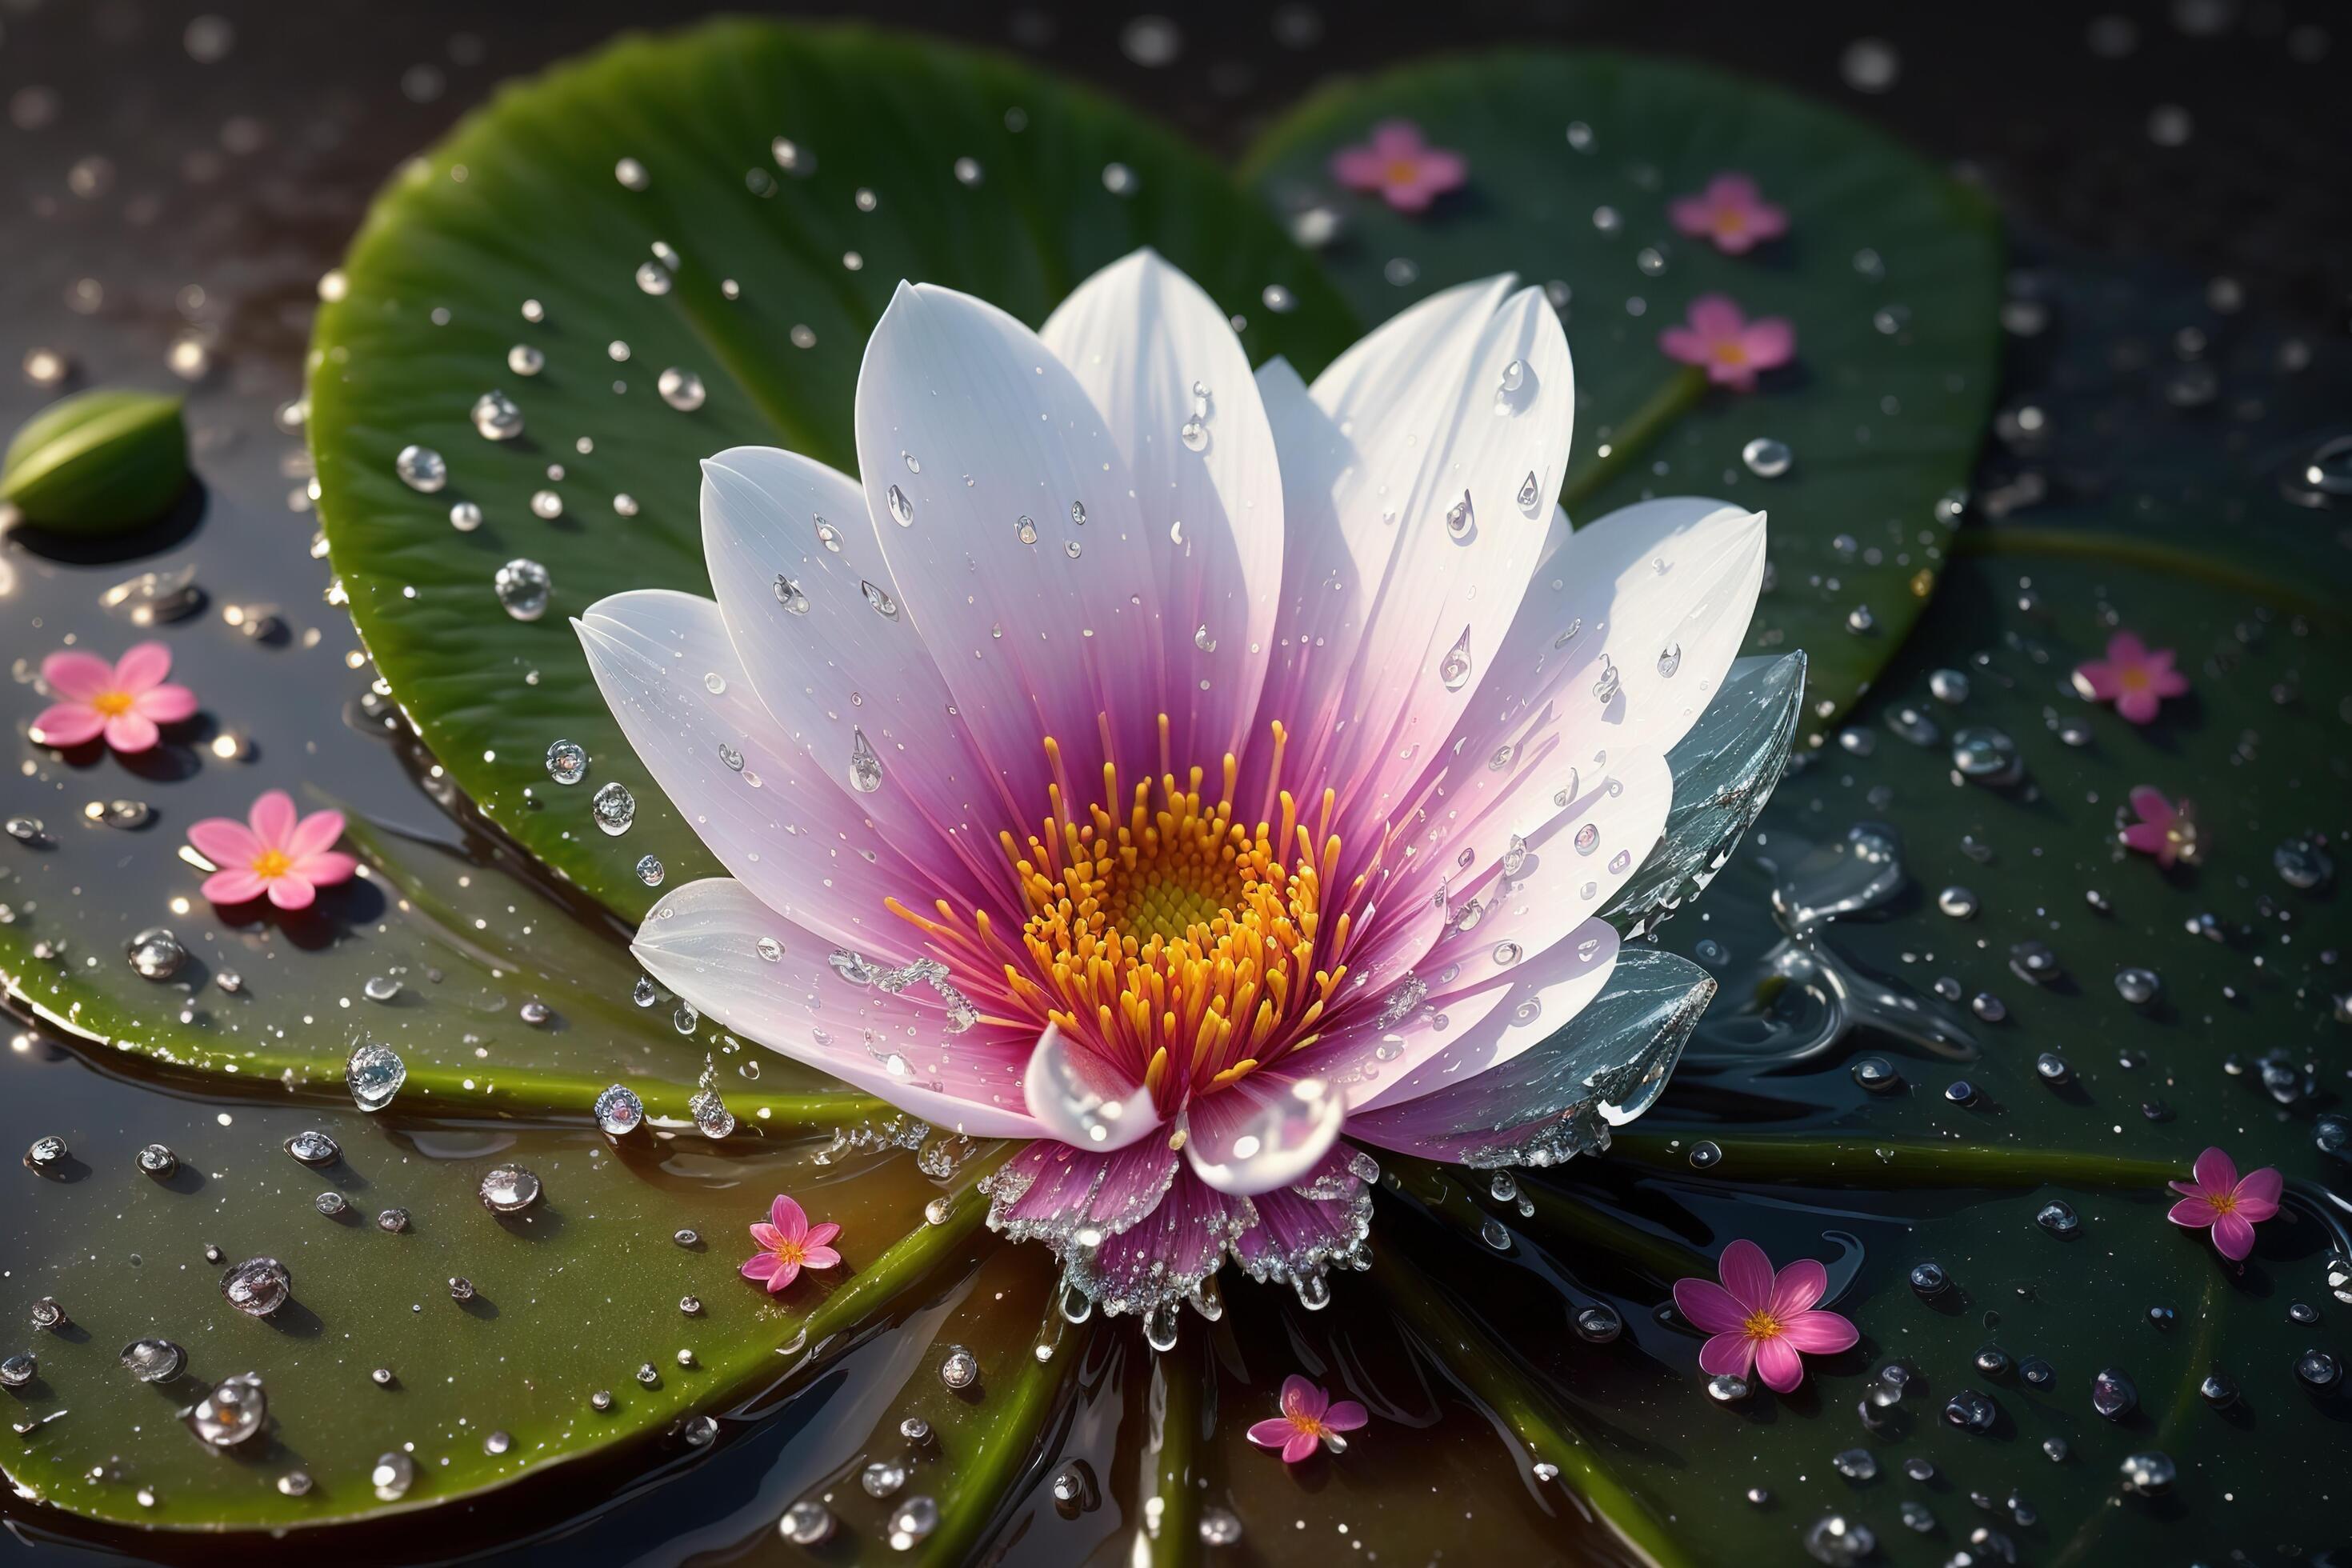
(1263, 1132)
(1077, 1099)
(967, 425)
(704, 942)
(1141, 337)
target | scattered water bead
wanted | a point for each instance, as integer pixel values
(2302, 863)
(1728, 1389)
(47, 1314)
(48, 1155)
(156, 955)
(314, 1148)
(901, 510)
(1706, 1155)
(295, 1483)
(1988, 1006)
(379, 988)
(567, 761)
(1948, 686)
(2037, 1373)
(231, 1413)
(27, 829)
(1453, 669)
(650, 870)
(374, 1073)
(961, 1369)
(258, 1287)
(2150, 1474)
(153, 1361)
(1855, 1464)
(711, 1117)
(497, 417)
(509, 1189)
(1765, 457)
(1986, 756)
(644, 993)
(882, 1478)
(864, 766)
(2218, 1390)
(681, 389)
(391, 1221)
(2113, 1395)
(806, 1524)
(1839, 1541)
(1958, 902)
(547, 505)
(2052, 1068)
(334, 1206)
(1916, 1515)
(2318, 1369)
(421, 468)
(158, 1161)
(1961, 1091)
(911, 1520)
(619, 1111)
(461, 1290)
(2303, 1313)
(393, 1474)
(1992, 1361)
(1876, 1074)
(1598, 1324)
(614, 808)
(522, 586)
(1219, 1527)
(2034, 962)
(18, 1370)
(1972, 1411)
(525, 360)
(1930, 1279)
(2059, 1219)
(534, 1012)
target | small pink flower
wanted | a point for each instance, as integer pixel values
(1399, 167)
(788, 1243)
(1309, 1421)
(1727, 345)
(123, 701)
(274, 851)
(2165, 830)
(1730, 213)
(2230, 1203)
(2134, 676)
(1760, 1320)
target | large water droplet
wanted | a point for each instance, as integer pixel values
(1454, 669)
(374, 1073)
(522, 586)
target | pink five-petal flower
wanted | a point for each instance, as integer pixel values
(2231, 1204)
(1719, 339)
(123, 702)
(1399, 167)
(1730, 213)
(276, 850)
(1309, 1420)
(2165, 830)
(2134, 677)
(1760, 1320)
(788, 1243)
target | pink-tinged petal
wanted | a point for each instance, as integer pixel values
(785, 1275)
(1796, 1288)
(1764, 221)
(2233, 1235)
(1736, 242)
(1345, 1415)
(68, 724)
(820, 1235)
(1442, 170)
(1397, 138)
(142, 666)
(1739, 377)
(766, 1235)
(1301, 1448)
(1747, 1274)
(2257, 1210)
(1715, 318)
(1408, 197)
(1693, 215)
(2149, 839)
(2097, 680)
(1819, 1333)
(327, 870)
(2168, 682)
(1689, 347)
(1779, 1364)
(1303, 1398)
(273, 818)
(2138, 705)
(76, 676)
(2216, 1172)
(790, 1219)
(1711, 1309)
(1359, 168)
(820, 1258)
(225, 841)
(1276, 1432)
(2193, 1213)
(1727, 1355)
(760, 1266)
(314, 835)
(1731, 190)
(1081, 1099)
(1181, 1241)
(2125, 648)
(236, 885)
(2187, 1189)
(1769, 343)
(165, 704)
(132, 733)
(292, 892)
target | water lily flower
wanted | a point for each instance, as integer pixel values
(2134, 677)
(1729, 347)
(1761, 1319)
(2165, 830)
(123, 702)
(788, 1243)
(1309, 1421)
(2227, 1203)
(1399, 167)
(1171, 765)
(275, 851)
(1731, 213)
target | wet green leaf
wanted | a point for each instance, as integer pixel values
(97, 462)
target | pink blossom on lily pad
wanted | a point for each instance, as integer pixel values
(1719, 339)
(1309, 1420)
(1399, 167)
(2134, 677)
(2229, 1204)
(124, 701)
(1759, 1321)
(788, 1243)
(1731, 213)
(2165, 830)
(275, 851)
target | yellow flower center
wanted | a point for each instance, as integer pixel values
(1403, 171)
(272, 863)
(1176, 941)
(2132, 677)
(113, 704)
(791, 1251)
(1730, 220)
(2223, 1202)
(1761, 1325)
(1731, 352)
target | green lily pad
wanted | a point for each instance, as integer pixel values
(770, 185)
(1889, 271)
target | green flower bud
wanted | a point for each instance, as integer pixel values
(98, 462)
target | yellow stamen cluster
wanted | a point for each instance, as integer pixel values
(1760, 1325)
(272, 863)
(113, 704)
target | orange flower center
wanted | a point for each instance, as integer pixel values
(113, 704)
(1730, 352)
(272, 863)
(791, 1251)
(2223, 1202)
(1403, 171)
(2132, 677)
(1730, 220)
(1761, 1325)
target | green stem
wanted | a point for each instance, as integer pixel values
(1488, 1370)
(2126, 549)
(1889, 1161)
(1000, 1454)
(1172, 1537)
(1630, 436)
